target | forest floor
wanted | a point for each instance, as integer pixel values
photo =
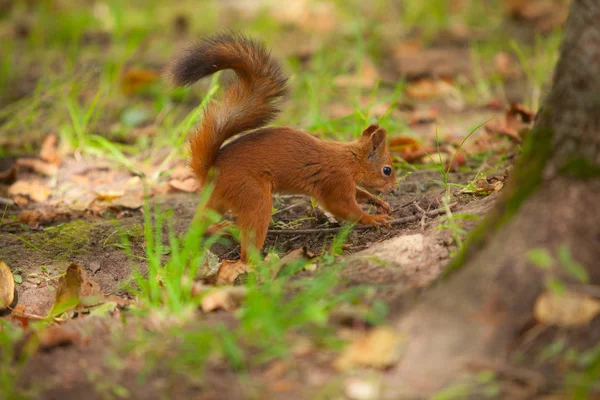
(118, 298)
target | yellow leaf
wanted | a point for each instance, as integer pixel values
(109, 194)
(226, 298)
(567, 309)
(7, 289)
(379, 348)
(75, 289)
(35, 190)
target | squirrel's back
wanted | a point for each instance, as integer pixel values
(249, 101)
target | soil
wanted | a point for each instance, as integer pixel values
(92, 242)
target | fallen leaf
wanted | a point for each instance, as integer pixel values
(482, 188)
(109, 195)
(9, 175)
(21, 201)
(308, 15)
(546, 15)
(189, 185)
(75, 289)
(182, 173)
(378, 348)
(49, 152)
(30, 217)
(34, 190)
(428, 88)
(448, 61)
(55, 336)
(366, 76)
(517, 120)
(291, 257)
(502, 63)
(457, 161)
(409, 149)
(136, 78)
(230, 270)
(565, 310)
(39, 166)
(130, 201)
(226, 298)
(7, 289)
(419, 117)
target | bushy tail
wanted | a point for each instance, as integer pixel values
(248, 102)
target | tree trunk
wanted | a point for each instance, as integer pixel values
(477, 310)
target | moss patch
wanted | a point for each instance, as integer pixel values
(66, 241)
(581, 168)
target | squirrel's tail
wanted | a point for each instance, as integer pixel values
(248, 102)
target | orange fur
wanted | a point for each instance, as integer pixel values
(277, 159)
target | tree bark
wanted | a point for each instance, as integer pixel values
(486, 298)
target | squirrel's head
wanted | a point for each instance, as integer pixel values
(376, 172)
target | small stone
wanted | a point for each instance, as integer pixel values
(94, 267)
(360, 389)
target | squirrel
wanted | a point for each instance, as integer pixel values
(264, 161)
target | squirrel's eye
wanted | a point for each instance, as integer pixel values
(387, 171)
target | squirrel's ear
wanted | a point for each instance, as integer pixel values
(377, 142)
(370, 129)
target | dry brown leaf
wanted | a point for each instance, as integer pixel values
(428, 88)
(298, 254)
(189, 185)
(313, 16)
(129, 201)
(30, 217)
(230, 270)
(365, 77)
(226, 298)
(9, 175)
(517, 120)
(108, 195)
(423, 117)
(39, 166)
(7, 289)
(182, 173)
(457, 161)
(49, 152)
(566, 310)
(547, 15)
(35, 190)
(502, 63)
(409, 149)
(378, 348)
(136, 78)
(55, 336)
(76, 289)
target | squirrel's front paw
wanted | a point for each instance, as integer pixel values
(377, 220)
(383, 207)
(382, 219)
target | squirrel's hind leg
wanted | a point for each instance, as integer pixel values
(253, 218)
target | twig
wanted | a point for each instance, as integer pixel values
(292, 196)
(288, 208)
(419, 208)
(394, 222)
(6, 202)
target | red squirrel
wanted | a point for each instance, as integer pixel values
(251, 168)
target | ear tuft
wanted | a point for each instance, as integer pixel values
(378, 138)
(377, 143)
(370, 129)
